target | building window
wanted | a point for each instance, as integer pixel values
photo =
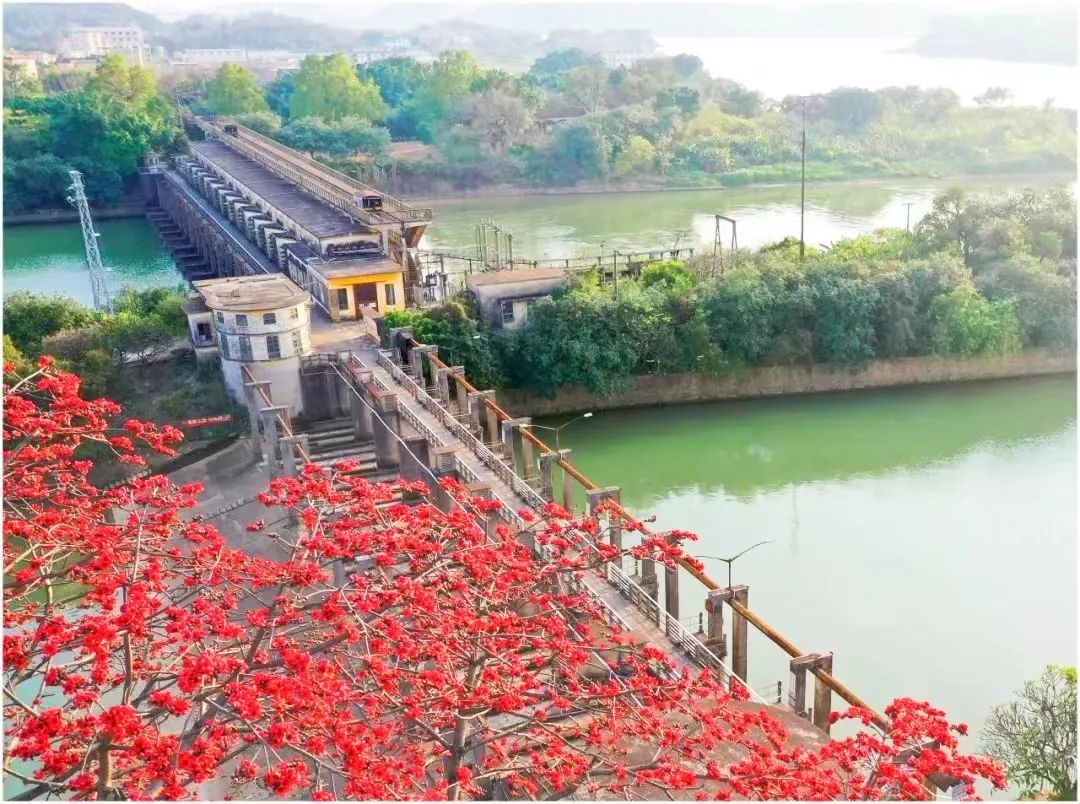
(343, 299)
(221, 318)
(507, 312)
(225, 346)
(273, 347)
(245, 347)
(269, 318)
(294, 313)
(241, 320)
(390, 297)
(297, 342)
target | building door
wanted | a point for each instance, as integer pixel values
(368, 294)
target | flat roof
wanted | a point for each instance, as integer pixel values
(337, 269)
(516, 275)
(317, 217)
(263, 292)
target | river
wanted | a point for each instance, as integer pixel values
(49, 258)
(801, 65)
(927, 536)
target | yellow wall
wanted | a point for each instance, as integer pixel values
(380, 280)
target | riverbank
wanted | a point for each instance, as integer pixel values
(650, 390)
(135, 209)
(640, 187)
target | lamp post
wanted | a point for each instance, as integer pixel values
(802, 190)
(730, 561)
(558, 429)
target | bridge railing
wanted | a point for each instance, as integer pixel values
(677, 635)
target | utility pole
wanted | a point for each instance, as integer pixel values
(802, 192)
(99, 287)
(908, 205)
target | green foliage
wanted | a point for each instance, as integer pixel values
(1035, 735)
(19, 83)
(636, 158)
(233, 91)
(329, 88)
(963, 322)
(266, 123)
(279, 92)
(448, 82)
(14, 356)
(671, 274)
(398, 79)
(338, 138)
(459, 338)
(550, 70)
(30, 317)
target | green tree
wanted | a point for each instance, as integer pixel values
(19, 83)
(1035, 735)
(550, 69)
(31, 317)
(953, 221)
(279, 92)
(581, 151)
(449, 81)
(964, 323)
(669, 274)
(587, 88)
(328, 87)
(266, 123)
(499, 117)
(398, 78)
(233, 91)
(637, 157)
(460, 339)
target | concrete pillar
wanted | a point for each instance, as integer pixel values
(291, 447)
(254, 406)
(714, 628)
(671, 591)
(741, 595)
(423, 354)
(476, 407)
(361, 413)
(492, 420)
(398, 339)
(386, 428)
(415, 459)
(442, 385)
(567, 483)
(528, 468)
(822, 694)
(593, 498)
(547, 463)
(271, 437)
(462, 391)
(506, 435)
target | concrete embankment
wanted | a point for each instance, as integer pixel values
(134, 209)
(672, 389)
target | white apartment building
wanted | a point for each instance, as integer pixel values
(95, 41)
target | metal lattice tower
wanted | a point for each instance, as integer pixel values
(98, 284)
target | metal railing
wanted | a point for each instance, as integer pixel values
(679, 636)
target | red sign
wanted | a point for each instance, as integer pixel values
(206, 420)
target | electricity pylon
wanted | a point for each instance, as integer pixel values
(98, 283)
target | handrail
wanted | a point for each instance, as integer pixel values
(690, 566)
(672, 628)
(283, 421)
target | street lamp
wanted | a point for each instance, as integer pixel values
(556, 430)
(730, 561)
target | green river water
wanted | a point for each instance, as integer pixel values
(927, 536)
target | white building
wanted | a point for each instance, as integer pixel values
(262, 322)
(95, 41)
(503, 298)
(210, 57)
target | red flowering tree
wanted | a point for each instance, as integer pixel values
(146, 658)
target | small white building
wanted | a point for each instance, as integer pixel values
(262, 322)
(95, 41)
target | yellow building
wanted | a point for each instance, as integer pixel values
(343, 288)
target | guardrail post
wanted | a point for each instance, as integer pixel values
(290, 457)
(475, 403)
(593, 498)
(822, 694)
(491, 519)
(506, 431)
(528, 467)
(547, 461)
(360, 412)
(416, 360)
(741, 594)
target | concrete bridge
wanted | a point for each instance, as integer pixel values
(242, 204)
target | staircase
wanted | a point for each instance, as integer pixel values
(188, 260)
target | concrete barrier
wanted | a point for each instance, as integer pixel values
(671, 389)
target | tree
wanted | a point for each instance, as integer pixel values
(461, 663)
(954, 218)
(234, 90)
(964, 323)
(852, 109)
(638, 156)
(357, 135)
(20, 83)
(993, 96)
(30, 317)
(1035, 735)
(328, 87)
(587, 87)
(398, 78)
(266, 123)
(499, 117)
(450, 79)
(550, 69)
(581, 151)
(279, 93)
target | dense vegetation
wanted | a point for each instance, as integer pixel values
(103, 129)
(978, 276)
(667, 121)
(127, 354)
